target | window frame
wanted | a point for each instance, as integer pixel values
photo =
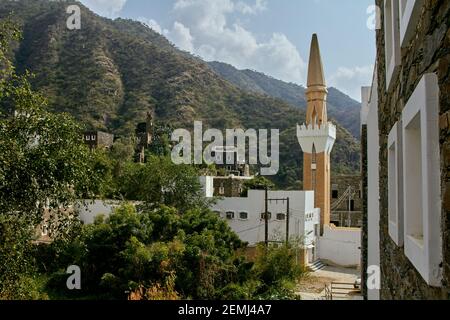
(233, 215)
(409, 13)
(426, 255)
(395, 185)
(392, 40)
(240, 215)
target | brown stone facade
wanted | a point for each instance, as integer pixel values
(364, 208)
(428, 52)
(228, 187)
(98, 139)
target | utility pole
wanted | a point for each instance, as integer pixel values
(266, 218)
(287, 222)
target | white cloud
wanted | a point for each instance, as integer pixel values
(350, 80)
(203, 28)
(152, 24)
(106, 8)
(245, 8)
(182, 37)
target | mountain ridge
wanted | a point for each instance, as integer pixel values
(341, 107)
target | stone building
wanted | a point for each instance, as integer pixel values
(232, 174)
(346, 201)
(406, 154)
(144, 136)
(229, 186)
(98, 139)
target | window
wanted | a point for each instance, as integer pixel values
(221, 189)
(392, 40)
(335, 194)
(410, 11)
(314, 155)
(93, 138)
(217, 213)
(263, 216)
(88, 138)
(351, 205)
(395, 184)
(281, 216)
(421, 181)
(44, 230)
(230, 215)
(243, 215)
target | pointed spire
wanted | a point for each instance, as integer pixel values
(315, 68)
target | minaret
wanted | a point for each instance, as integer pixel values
(317, 137)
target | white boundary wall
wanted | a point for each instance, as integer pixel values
(340, 246)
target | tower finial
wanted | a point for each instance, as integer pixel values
(315, 68)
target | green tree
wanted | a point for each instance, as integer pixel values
(131, 250)
(43, 166)
(160, 181)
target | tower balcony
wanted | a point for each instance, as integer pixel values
(321, 137)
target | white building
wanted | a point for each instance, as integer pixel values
(245, 216)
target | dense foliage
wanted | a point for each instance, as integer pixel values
(163, 254)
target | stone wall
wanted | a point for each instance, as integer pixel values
(340, 215)
(232, 186)
(428, 52)
(365, 228)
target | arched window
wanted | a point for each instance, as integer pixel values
(314, 155)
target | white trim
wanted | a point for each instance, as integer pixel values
(395, 184)
(422, 198)
(232, 217)
(410, 11)
(392, 40)
(243, 219)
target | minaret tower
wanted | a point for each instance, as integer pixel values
(317, 136)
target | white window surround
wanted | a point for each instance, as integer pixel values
(44, 230)
(410, 11)
(243, 215)
(392, 40)
(395, 184)
(421, 181)
(229, 215)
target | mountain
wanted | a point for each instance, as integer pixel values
(343, 109)
(109, 74)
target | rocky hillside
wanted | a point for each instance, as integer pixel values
(110, 73)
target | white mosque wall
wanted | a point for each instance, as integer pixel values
(340, 246)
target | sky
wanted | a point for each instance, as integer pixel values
(269, 36)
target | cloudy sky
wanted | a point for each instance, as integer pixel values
(270, 36)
